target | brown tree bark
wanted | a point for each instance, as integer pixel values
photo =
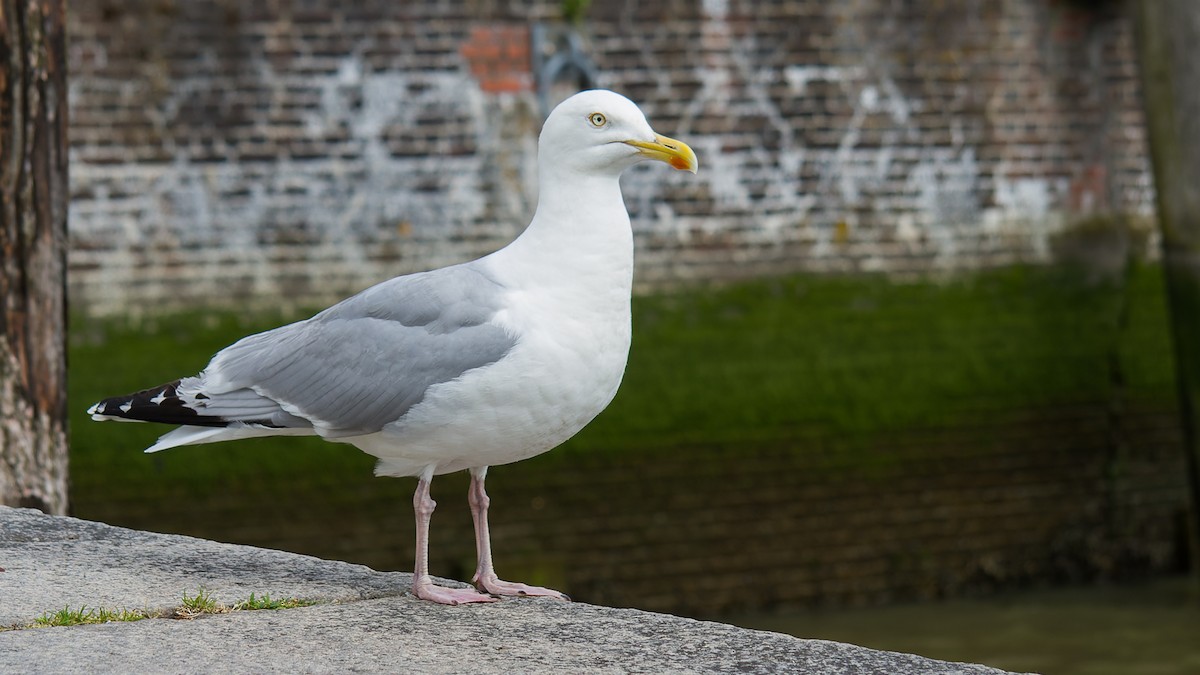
(33, 233)
(1168, 34)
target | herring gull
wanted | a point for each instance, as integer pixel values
(465, 367)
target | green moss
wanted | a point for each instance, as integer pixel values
(860, 357)
(846, 359)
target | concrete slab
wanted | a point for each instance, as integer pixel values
(369, 622)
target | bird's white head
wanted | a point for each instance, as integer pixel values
(600, 131)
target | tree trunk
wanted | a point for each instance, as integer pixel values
(33, 233)
(1168, 34)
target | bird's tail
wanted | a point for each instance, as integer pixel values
(237, 430)
(190, 436)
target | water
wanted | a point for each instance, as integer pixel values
(1147, 629)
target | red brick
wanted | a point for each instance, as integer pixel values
(506, 83)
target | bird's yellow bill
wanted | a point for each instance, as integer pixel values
(673, 152)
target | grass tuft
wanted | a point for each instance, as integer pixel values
(203, 603)
(191, 607)
(200, 603)
(75, 617)
(267, 602)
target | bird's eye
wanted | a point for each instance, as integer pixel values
(597, 119)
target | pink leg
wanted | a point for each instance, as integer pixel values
(423, 586)
(485, 575)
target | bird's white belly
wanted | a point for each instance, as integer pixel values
(540, 394)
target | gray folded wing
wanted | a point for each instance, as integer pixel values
(364, 362)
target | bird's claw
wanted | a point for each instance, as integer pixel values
(427, 590)
(491, 584)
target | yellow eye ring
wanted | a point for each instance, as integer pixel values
(597, 119)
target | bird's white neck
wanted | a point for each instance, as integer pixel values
(580, 234)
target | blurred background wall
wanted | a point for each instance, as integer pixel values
(997, 410)
(225, 151)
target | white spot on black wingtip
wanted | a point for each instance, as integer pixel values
(111, 418)
(126, 406)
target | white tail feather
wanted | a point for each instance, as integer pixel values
(187, 435)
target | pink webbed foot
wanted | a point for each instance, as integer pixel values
(425, 589)
(491, 584)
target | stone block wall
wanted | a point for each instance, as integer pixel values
(226, 152)
(1017, 499)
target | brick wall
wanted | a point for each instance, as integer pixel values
(225, 151)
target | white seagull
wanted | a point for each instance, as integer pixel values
(465, 367)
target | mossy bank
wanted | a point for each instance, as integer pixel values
(758, 400)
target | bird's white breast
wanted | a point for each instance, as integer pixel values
(571, 317)
(547, 388)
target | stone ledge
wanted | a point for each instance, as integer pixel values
(370, 622)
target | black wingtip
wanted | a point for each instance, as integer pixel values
(156, 404)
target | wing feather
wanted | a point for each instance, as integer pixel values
(365, 362)
(352, 369)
